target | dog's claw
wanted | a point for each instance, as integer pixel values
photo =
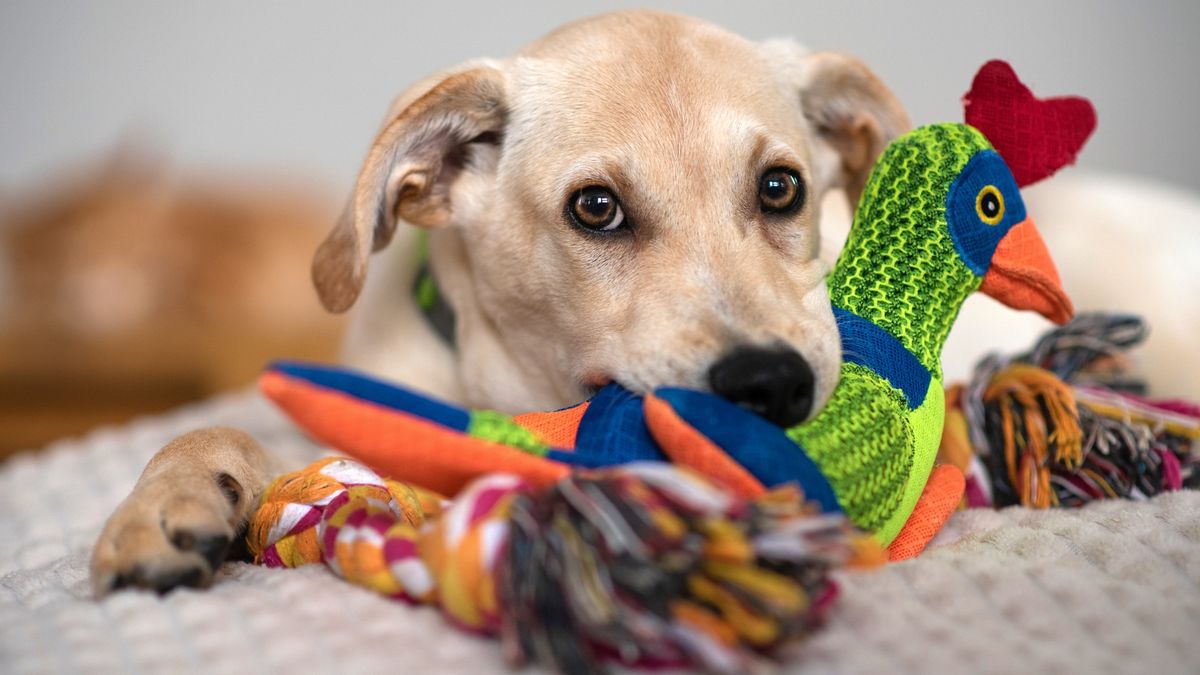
(159, 557)
(125, 580)
(193, 577)
(215, 549)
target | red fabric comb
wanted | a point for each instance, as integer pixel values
(1036, 137)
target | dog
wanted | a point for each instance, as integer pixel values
(634, 197)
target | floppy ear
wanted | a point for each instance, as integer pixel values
(408, 174)
(853, 115)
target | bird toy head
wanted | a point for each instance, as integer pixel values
(996, 246)
(1033, 138)
(943, 211)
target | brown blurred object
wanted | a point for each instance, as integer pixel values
(131, 289)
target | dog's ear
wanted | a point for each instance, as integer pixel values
(408, 173)
(854, 117)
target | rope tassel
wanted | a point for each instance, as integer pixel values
(645, 563)
(1064, 425)
(1037, 412)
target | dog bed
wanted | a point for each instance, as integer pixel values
(1113, 587)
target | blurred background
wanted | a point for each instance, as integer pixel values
(167, 168)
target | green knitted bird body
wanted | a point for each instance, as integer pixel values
(896, 290)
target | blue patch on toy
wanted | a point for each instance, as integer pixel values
(759, 446)
(978, 218)
(612, 431)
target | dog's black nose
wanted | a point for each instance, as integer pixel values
(776, 383)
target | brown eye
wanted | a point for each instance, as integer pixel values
(780, 191)
(597, 209)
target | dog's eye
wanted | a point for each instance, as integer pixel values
(780, 191)
(597, 209)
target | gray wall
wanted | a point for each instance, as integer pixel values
(301, 85)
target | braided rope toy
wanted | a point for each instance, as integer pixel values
(1063, 425)
(648, 563)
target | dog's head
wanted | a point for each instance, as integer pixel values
(634, 197)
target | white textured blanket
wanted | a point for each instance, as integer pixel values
(1111, 588)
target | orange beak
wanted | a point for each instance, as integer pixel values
(1022, 275)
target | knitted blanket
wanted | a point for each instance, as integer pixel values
(1113, 587)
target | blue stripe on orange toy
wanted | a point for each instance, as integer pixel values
(377, 392)
(400, 434)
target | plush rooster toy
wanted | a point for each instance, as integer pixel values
(941, 217)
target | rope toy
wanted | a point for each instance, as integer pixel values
(645, 563)
(1064, 425)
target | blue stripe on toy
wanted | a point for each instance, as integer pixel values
(870, 346)
(374, 391)
(759, 446)
(612, 431)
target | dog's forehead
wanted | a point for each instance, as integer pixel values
(651, 86)
(629, 32)
(659, 65)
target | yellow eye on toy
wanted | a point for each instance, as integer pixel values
(989, 204)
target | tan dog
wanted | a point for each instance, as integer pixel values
(633, 198)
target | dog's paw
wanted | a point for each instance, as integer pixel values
(189, 506)
(161, 538)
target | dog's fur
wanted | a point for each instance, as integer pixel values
(679, 119)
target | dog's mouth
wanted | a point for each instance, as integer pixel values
(593, 382)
